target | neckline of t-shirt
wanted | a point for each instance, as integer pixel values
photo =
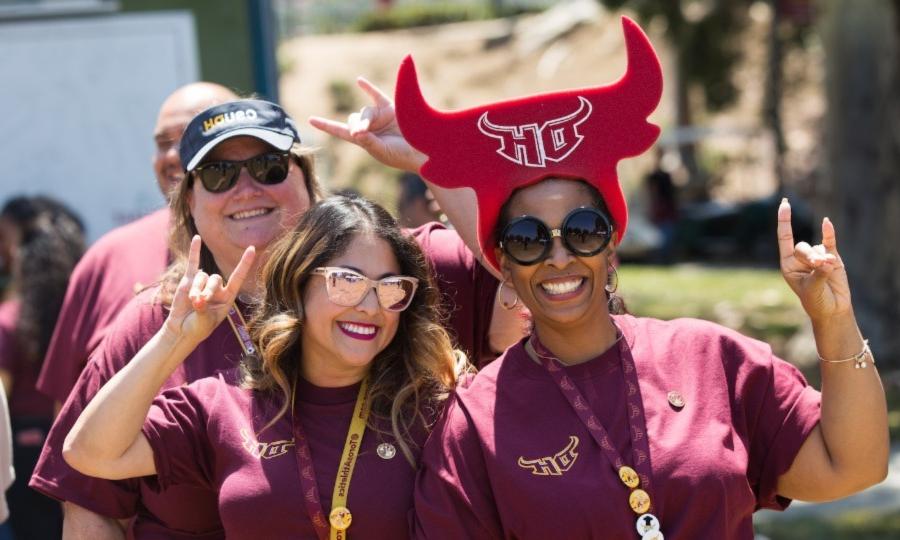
(595, 367)
(309, 393)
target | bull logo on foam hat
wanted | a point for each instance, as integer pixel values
(576, 134)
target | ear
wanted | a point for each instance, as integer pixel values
(504, 261)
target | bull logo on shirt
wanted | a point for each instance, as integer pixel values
(265, 450)
(554, 465)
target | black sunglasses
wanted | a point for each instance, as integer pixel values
(220, 176)
(585, 232)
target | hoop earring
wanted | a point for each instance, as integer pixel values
(506, 305)
(612, 280)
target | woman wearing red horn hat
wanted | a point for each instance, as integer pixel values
(601, 424)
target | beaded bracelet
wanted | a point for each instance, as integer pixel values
(859, 358)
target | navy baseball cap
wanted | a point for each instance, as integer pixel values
(245, 117)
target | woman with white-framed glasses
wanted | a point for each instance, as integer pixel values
(323, 424)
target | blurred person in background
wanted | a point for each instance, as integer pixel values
(49, 240)
(415, 205)
(112, 271)
(7, 472)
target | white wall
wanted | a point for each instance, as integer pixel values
(78, 103)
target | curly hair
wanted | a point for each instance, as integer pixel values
(411, 376)
(52, 242)
(183, 227)
(616, 303)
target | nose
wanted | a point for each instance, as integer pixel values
(559, 256)
(369, 303)
(246, 185)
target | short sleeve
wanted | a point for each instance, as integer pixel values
(176, 430)
(790, 410)
(55, 478)
(453, 497)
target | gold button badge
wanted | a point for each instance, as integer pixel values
(629, 477)
(639, 501)
(340, 518)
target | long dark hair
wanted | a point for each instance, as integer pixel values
(615, 303)
(52, 242)
(410, 376)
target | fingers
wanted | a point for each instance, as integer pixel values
(829, 238)
(815, 257)
(784, 230)
(378, 97)
(331, 127)
(198, 285)
(359, 122)
(193, 264)
(241, 271)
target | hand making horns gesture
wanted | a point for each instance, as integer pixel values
(201, 300)
(374, 128)
(815, 273)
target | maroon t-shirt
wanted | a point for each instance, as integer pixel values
(714, 462)
(460, 278)
(109, 274)
(467, 289)
(207, 434)
(181, 510)
(24, 400)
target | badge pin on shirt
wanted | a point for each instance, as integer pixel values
(386, 451)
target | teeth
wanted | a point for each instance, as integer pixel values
(562, 287)
(250, 213)
(358, 329)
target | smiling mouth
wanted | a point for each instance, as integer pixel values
(248, 214)
(364, 332)
(559, 288)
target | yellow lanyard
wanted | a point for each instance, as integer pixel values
(340, 517)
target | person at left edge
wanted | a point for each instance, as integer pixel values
(348, 334)
(126, 259)
(112, 270)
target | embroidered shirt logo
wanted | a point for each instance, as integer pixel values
(554, 465)
(532, 145)
(265, 450)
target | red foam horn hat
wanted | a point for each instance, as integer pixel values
(577, 134)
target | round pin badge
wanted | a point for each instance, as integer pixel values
(639, 501)
(653, 535)
(386, 451)
(676, 399)
(646, 523)
(340, 518)
(629, 477)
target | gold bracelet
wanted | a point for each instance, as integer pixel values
(859, 359)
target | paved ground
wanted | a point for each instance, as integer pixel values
(884, 497)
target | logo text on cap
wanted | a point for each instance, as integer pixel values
(227, 118)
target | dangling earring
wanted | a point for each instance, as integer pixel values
(506, 305)
(612, 280)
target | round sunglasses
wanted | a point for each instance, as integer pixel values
(347, 288)
(585, 232)
(219, 176)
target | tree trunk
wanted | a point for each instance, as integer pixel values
(772, 104)
(861, 191)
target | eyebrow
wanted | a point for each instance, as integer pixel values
(359, 271)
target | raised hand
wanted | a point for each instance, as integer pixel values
(815, 273)
(201, 300)
(374, 128)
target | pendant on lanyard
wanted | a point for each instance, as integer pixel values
(648, 526)
(239, 327)
(340, 518)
